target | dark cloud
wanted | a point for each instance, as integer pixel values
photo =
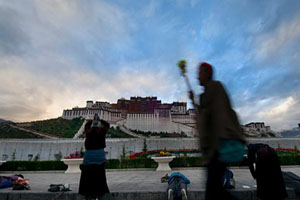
(13, 40)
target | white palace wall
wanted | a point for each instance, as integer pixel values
(23, 149)
(153, 123)
(169, 123)
(89, 113)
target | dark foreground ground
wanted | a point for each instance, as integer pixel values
(134, 184)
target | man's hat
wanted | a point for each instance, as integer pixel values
(208, 68)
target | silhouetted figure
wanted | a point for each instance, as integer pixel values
(93, 178)
(267, 172)
(216, 123)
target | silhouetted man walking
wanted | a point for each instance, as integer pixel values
(216, 123)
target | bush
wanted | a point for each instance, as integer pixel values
(289, 160)
(117, 133)
(159, 134)
(128, 163)
(32, 166)
(113, 164)
(138, 163)
(187, 162)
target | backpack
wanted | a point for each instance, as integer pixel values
(59, 187)
(20, 184)
(228, 180)
(231, 151)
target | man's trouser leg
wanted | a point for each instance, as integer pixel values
(214, 185)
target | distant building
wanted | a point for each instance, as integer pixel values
(103, 109)
(141, 113)
(150, 114)
(258, 127)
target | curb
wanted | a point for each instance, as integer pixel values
(192, 195)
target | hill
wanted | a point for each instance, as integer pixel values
(294, 132)
(7, 131)
(57, 127)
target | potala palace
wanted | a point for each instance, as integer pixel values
(140, 113)
(150, 114)
(137, 113)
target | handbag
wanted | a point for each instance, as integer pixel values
(21, 184)
(231, 151)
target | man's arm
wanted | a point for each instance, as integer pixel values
(106, 125)
(251, 159)
(192, 97)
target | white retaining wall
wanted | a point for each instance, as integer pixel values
(24, 149)
(153, 124)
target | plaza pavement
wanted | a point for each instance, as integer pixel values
(131, 184)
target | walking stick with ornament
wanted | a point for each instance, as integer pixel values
(182, 65)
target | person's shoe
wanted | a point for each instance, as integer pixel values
(170, 194)
(183, 194)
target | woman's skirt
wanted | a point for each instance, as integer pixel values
(93, 180)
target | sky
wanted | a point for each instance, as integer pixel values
(57, 54)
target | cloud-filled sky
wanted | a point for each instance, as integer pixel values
(56, 54)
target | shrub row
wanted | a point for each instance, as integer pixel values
(127, 163)
(131, 163)
(160, 134)
(32, 166)
(117, 133)
(289, 159)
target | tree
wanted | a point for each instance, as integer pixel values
(145, 145)
(123, 155)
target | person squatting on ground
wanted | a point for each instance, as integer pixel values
(216, 122)
(177, 186)
(93, 178)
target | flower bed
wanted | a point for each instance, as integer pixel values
(76, 154)
(288, 152)
(146, 154)
(163, 154)
(129, 163)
